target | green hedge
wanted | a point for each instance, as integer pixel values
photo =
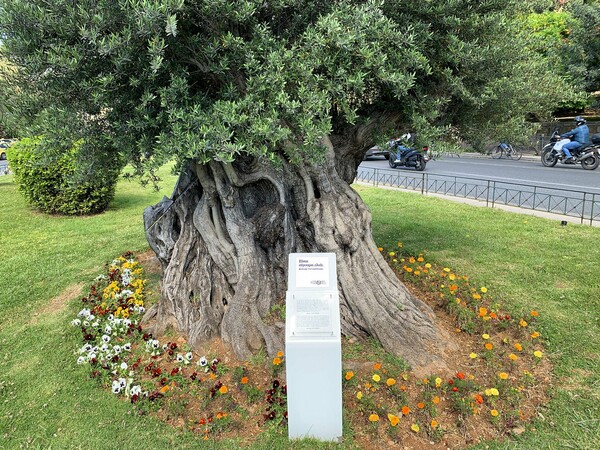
(52, 184)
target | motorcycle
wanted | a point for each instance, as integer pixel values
(587, 155)
(402, 155)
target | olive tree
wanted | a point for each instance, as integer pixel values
(267, 109)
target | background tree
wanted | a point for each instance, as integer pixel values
(567, 33)
(268, 108)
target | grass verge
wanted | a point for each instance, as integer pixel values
(44, 261)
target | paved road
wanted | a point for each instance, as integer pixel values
(526, 171)
(567, 190)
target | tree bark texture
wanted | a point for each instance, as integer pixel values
(224, 238)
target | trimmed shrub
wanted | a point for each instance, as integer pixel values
(52, 184)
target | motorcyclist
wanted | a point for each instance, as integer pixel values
(580, 135)
(401, 146)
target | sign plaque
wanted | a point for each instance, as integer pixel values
(313, 350)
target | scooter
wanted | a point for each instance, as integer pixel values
(587, 155)
(402, 155)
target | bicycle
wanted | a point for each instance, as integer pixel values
(504, 148)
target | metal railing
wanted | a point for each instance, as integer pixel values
(567, 202)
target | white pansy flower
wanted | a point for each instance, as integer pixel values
(136, 390)
(81, 360)
(105, 338)
(76, 322)
(202, 362)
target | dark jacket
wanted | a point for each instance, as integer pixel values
(580, 134)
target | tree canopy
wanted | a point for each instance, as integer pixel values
(155, 80)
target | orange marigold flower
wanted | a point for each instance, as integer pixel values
(280, 354)
(460, 376)
(453, 287)
(503, 376)
(478, 399)
(276, 361)
(513, 357)
(535, 313)
(223, 389)
(164, 389)
(403, 388)
(349, 375)
(425, 380)
(535, 335)
(380, 249)
(493, 315)
(411, 260)
(434, 423)
(374, 418)
(405, 410)
(489, 346)
(390, 381)
(482, 311)
(376, 366)
(244, 380)
(393, 419)
(420, 405)
(435, 400)
(518, 346)
(476, 296)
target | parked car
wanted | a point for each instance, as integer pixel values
(4, 144)
(376, 151)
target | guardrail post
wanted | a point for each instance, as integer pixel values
(583, 207)
(493, 193)
(592, 210)
(422, 183)
(376, 181)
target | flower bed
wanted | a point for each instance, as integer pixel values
(492, 388)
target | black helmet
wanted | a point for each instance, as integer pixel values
(579, 120)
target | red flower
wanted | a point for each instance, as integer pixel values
(460, 376)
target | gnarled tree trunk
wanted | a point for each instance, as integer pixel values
(224, 241)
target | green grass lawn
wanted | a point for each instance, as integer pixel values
(46, 401)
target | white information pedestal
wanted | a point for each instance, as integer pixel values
(313, 348)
